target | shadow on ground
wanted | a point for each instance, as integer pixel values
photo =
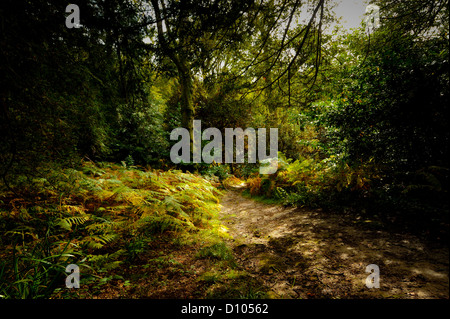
(301, 253)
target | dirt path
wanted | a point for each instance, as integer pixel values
(309, 254)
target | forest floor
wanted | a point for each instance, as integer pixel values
(304, 253)
(283, 252)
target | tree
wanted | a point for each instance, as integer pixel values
(198, 36)
(392, 105)
(60, 88)
(185, 31)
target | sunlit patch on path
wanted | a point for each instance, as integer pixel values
(303, 253)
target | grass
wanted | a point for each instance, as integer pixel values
(225, 279)
(261, 198)
(241, 287)
(219, 251)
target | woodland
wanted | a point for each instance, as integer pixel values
(86, 175)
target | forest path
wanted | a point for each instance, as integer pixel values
(303, 253)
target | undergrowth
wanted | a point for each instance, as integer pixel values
(398, 199)
(100, 217)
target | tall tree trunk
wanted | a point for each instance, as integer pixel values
(184, 71)
(187, 103)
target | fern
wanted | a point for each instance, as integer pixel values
(98, 208)
(99, 241)
(68, 222)
(101, 227)
(106, 262)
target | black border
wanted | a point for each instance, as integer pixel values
(171, 308)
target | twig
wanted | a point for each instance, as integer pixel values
(330, 273)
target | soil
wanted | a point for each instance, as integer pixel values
(304, 253)
(285, 252)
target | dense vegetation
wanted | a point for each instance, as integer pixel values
(100, 217)
(86, 114)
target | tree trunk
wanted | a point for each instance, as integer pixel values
(184, 72)
(187, 103)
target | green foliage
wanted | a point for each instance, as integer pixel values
(306, 182)
(393, 104)
(370, 140)
(100, 215)
(34, 272)
(365, 131)
(220, 171)
(140, 136)
(70, 93)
